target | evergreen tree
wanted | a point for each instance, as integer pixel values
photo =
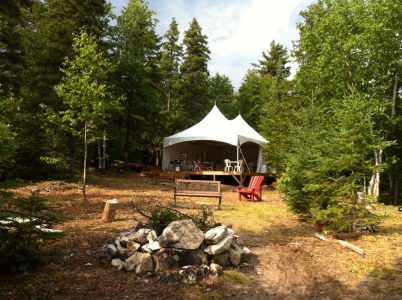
(171, 56)
(11, 50)
(356, 44)
(278, 104)
(250, 101)
(137, 50)
(329, 160)
(194, 75)
(275, 62)
(47, 40)
(221, 92)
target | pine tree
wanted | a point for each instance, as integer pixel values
(137, 50)
(275, 62)
(171, 57)
(278, 104)
(194, 75)
(221, 92)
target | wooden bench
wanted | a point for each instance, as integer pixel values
(197, 188)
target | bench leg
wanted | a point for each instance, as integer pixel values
(174, 200)
(220, 203)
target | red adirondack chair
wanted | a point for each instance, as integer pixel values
(253, 191)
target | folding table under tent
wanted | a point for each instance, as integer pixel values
(216, 138)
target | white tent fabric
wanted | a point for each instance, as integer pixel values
(214, 129)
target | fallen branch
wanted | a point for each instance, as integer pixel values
(319, 236)
(351, 247)
(343, 243)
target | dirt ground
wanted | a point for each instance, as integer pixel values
(287, 262)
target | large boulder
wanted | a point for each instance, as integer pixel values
(182, 234)
(139, 262)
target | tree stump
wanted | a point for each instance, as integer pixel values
(109, 211)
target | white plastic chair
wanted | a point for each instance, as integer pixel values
(239, 166)
(228, 167)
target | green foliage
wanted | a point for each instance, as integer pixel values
(355, 44)
(136, 78)
(47, 37)
(250, 101)
(194, 75)
(331, 157)
(84, 87)
(221, 92)
(275, 62)
(160, 217)
(23, 223)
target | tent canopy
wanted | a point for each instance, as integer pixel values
(218, 137)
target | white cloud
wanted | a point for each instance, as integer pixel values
(238, 30)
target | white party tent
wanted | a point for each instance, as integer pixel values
(216, 138)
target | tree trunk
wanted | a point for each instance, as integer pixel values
(84, 174)
(127, 136)
(168, 101)
(71, 152)
(99, 155)
(109, 211)
(396, 188)
(104, 151)
(374, 185)
(394, 176)
(395, 96)
(157, 158)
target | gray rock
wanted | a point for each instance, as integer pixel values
(132, 247)
(116, 262)
(141, 236)
(220, 247)
(235, 256)
(110, 249)
(152, 236)
(168, 258)
(193, 274)
(151, 247)
(246, 254)
(215, 235)
(181, 235)
(215, 269)
(139, 262)
(222, 259)
(121, 251)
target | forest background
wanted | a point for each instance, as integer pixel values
(78, 81)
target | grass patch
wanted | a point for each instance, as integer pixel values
(234, 276)
(382, 273)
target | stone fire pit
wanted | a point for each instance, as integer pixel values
(182, 253)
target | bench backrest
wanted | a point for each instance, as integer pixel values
(255, 182)
(197, 186)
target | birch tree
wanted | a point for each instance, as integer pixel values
(85, 93)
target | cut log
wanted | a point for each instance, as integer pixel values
(109, 211)
(351, 247)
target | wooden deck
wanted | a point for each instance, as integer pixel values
(238, 176)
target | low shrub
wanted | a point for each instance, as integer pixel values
(23, 230)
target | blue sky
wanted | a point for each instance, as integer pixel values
(238, 30)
